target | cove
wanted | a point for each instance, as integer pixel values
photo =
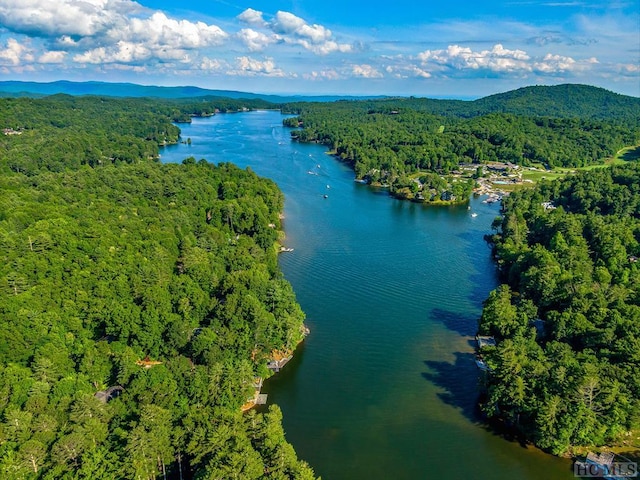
(385, 385)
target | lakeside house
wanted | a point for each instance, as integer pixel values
(483, 341)
(277, 364)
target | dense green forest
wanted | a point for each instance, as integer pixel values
(396, 141)
(60, 132)
(566, 368)
(138, 302)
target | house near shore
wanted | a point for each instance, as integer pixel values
(276, 365)
(447, 196)
(485, 341)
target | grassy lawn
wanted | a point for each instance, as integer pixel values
(536, 175)
(623, 156)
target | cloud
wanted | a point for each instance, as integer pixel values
(132, 52)
(288, 23)
(255, 41)
(247, 66)
(65, 17)
(329, 74)
(314, 38)
(561, 64)
(108, 30)
(14, 53)
(160, 30)
(101, 55)
(52, 57)
(365, 71)
(213, 64)
(252, 17)
(498, 59)
(289, 29)
(632, 69)
(501, 60)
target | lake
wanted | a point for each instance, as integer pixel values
(386, 384)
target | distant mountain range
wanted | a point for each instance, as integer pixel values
(14, 88)
(567, 100)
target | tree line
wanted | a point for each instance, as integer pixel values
(61, 132)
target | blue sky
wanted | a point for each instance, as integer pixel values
(448, 48)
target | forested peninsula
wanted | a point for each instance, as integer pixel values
(565, 372)
(428, 150)
(140, 301)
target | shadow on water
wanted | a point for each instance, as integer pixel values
(284, 376)
(461, 383)
(459, 380)
(464, 324)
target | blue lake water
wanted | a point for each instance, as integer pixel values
(385, 385)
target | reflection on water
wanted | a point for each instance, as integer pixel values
(386, 384)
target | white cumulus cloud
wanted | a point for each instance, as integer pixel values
(365, 71)
(247, 66)
(252, 17)
(160, 30)
(287, 28)
(107, 31)
(288, 23)
(255, 41)
(53, 56)
(64, 17)
(122, 52)
(213, 64)
(561, 64)
(15, 53)
(498, 59)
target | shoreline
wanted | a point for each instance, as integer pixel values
(279, 358)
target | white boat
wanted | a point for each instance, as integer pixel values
(474, 214)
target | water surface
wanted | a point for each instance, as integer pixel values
(385, 385)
